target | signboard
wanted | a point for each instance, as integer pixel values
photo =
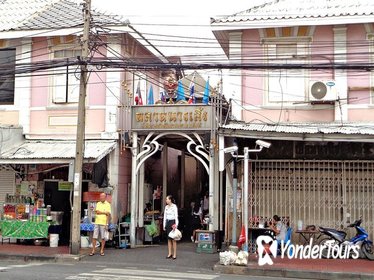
(65, 186)
(171, 117)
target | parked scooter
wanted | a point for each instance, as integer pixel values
(337, 237)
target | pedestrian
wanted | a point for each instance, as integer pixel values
(171, 222)
(102, 218)
(205, 203)
(197, 220)
(279, 228)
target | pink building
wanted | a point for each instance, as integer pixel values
(45, 34)
(306, 86)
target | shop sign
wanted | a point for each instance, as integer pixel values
(171, 117)
(65, 186)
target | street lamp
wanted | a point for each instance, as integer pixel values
(261, 144)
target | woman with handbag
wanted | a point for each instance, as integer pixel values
(170, 223)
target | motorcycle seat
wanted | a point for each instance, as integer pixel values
(333, 231)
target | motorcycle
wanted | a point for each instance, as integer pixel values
(336, 239)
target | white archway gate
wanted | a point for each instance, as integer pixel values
(149, 146)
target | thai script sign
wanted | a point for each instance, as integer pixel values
(171, 117)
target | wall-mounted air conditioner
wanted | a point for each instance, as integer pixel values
(323, 90)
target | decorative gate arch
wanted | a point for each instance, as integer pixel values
(151, 146)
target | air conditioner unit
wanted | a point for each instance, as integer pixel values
(324, 90)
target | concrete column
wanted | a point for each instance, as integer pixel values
(183, 177)
(216, 195)
(134, 152)
(23, 87)
(164, 173)
(340, 51)
(113, 93)
(141, 204)
(113, 180)
(233, 86)
(211, 189)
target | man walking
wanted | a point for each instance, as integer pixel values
(102, 218)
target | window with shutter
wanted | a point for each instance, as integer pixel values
(7, 62)
(286, 84)
(66, 79)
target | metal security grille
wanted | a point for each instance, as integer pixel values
(321, 193)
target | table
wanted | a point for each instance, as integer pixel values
(89, 228)
(306, 235)
(253, 233)
(24, 229)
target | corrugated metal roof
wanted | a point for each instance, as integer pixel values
(21, 15)
(306, 128)
(50, 149)
(290, 9)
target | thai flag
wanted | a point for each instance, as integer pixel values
(192, 99)
(138, 97)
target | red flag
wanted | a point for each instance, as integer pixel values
(241, 240)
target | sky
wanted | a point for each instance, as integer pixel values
(188, 20)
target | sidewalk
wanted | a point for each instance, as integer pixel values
(154, 256)
(38, 253)
(304, 269)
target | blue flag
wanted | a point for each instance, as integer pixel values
(150, 96)
(180, 92)
(206, 93)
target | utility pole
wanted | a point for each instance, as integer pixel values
(79, 155)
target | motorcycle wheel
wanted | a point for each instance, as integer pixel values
(368, 250)
(325, 250)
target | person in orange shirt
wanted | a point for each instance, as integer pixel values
(102, 218)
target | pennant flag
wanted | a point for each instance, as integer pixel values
(138, 97)
(192, 99)
(180, 92)
(206, 93)
(150, 96)
(241, 240)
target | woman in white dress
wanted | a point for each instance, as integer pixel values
(171, 222)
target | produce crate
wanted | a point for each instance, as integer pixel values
(205, 248)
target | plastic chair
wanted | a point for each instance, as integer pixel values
(286, 239)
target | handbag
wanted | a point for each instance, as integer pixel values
(175, 234)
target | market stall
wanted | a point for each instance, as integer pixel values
(24, 229)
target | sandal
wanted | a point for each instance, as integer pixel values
(102, 254)
(91, 254)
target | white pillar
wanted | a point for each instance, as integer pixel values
(134, 152)
(211, 188)
(233, 85)
(113, 92)
(245, 196)
(164, 173)
(216, 195)
(340, 56)
(183, 177)
(113, 170)
(141, 204)
(23, 87)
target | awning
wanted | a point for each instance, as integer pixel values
(346, 132)
(55, 151)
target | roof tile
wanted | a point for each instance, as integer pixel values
(290, 9)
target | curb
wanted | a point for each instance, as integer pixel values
(39, 258)
(251, 270)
